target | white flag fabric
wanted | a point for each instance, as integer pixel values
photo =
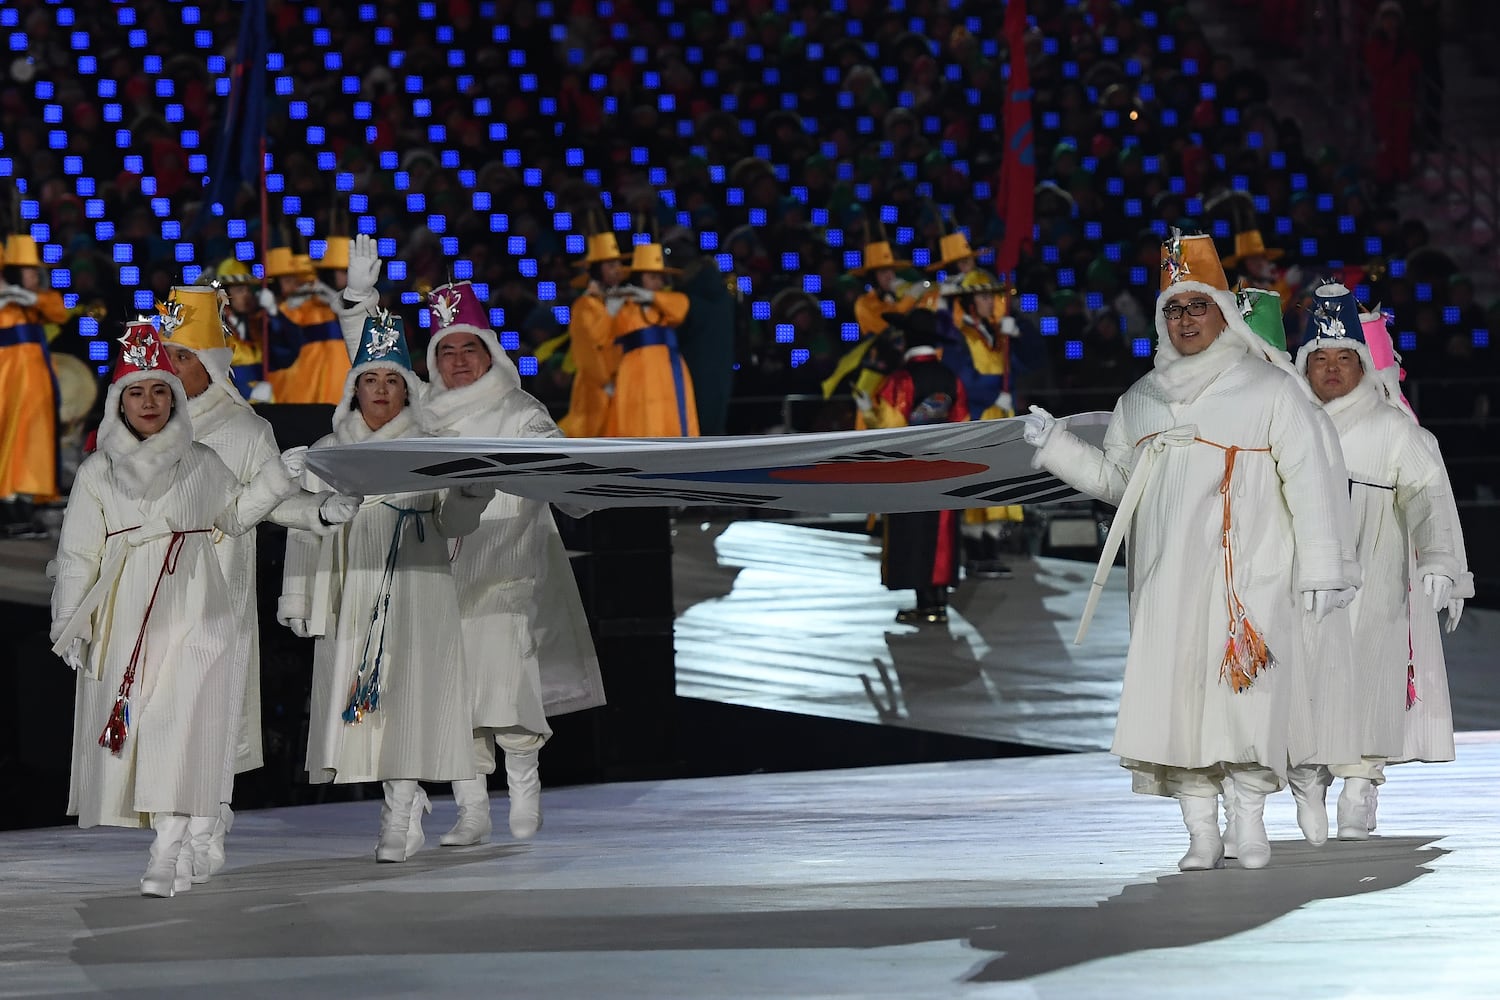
(983, 463)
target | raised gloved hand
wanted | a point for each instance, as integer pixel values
(295, 461)
(78, 653)
(1439, 588)
(1039, 425)
(865, 402)
(339, 508)
(917, 289)
(364, 267)
(267, 300)
(299, 628)
(1455, 612)
(1008, 326)
(1319, 603)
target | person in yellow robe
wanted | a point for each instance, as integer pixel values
(975, 335)
(888, 293)
(28, 395)
(307, 361)
(653, 394)
(592, 352)
(246, 322)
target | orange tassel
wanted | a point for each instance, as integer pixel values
(1245, 655)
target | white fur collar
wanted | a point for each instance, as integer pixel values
(446, 407)
(142, 469)
(353, 429)
(213, 407)
(1182, 379)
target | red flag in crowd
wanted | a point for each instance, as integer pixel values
(1014, 194)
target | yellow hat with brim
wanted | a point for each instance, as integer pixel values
(280, 262)
(601, 247)
(878, 255)
(234, 272)
(951, 249)
(302, 265)
(1191, 258)
(191, 318)
(1250, 244)
(336, 254)
(649, 257)
(20, 251)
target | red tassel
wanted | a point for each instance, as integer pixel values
(117, 728)
(1411, 686)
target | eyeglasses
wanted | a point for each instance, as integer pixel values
(1174, 310)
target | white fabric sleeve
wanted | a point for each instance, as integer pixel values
(457, 515)
(1425, 499)
(1315, 488)
(253, 501)
(80, 548)
(1102, 474)
(296, 576)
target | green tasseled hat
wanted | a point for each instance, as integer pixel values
(1262, 312)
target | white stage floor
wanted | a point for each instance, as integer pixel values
(794, 618)
(1035, 877)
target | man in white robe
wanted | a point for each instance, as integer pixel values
(1237, 518)
(1407, 530)
(526, 636)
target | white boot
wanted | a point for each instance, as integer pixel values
(225, 823)
(1200, 814)
(524, 780)
(161, 872)
(200, 843)
(1354, 820)
(1309, 786)
(472, 796)
(1231, 839)
(1249, 822)
(401, 821)
(1372, 799)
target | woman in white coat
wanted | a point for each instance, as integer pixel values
(390, 687)
(142, 611)
(196, 340)
(526, 636)
(1236, 516)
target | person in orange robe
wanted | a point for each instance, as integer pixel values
(28, 396)
(592, 349)
(653, 391)
(307, 361)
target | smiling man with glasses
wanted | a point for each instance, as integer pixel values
(1232, 491)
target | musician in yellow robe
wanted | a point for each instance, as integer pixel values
(307, 361)
(28, 395)
(653, 394)
(592, 352)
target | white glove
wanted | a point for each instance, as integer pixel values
(78, 653)
(295, 461)
(1439, 588)
(1345, 597)
(364, 267)
(865, 403)
(609, 390)
(260, 392)
(638, 294)
(19, 295)
(1039, 424)
(1320, 602)
(477, 491)
(613, 303)
(917, 289)
(299, 628)
(1005, 402)
(339, 508)
(267, 300)
(1455, 612)
(1008, 326)
(325, 293)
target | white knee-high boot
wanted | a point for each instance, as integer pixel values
(1249, 821)
(200, 842)
(1309, 785)
(1200, 814)
(161, 872)
(472, 796)
(523, 778)
(1354, 809)
(1231, 837)
(401, 821)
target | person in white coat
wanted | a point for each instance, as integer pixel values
(1234, 510)
(390, 693)
(1409, 547)
(526, 635)
(194, 333)
(141, 609)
